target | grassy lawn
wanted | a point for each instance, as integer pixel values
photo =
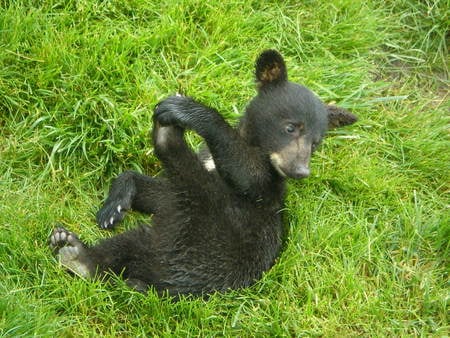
(368, 247)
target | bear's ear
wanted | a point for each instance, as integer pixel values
(270, 68)
(339, 117)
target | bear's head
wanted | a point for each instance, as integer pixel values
(287, 120)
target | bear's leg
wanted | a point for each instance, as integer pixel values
(131, 190)
(179, 161)
(242, 166)
(119, 254)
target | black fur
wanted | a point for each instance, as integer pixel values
(217, 227)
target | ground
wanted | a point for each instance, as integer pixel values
(367, 251)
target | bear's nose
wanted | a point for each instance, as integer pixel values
(300, 171)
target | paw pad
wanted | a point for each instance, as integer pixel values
(71, 252)
(62, 237)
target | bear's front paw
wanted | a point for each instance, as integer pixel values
(111, 214)
(175, 110)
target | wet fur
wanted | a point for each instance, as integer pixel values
(219, 227)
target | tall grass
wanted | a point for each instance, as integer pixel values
(367, 250)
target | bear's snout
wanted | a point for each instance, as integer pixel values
(300, 171)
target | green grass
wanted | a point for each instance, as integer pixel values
(368, 246)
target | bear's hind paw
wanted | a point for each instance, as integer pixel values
(70, 251)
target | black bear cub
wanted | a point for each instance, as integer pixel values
(217, 216)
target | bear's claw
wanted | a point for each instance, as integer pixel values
(110, 214)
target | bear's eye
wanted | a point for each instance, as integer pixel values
(290, 128)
